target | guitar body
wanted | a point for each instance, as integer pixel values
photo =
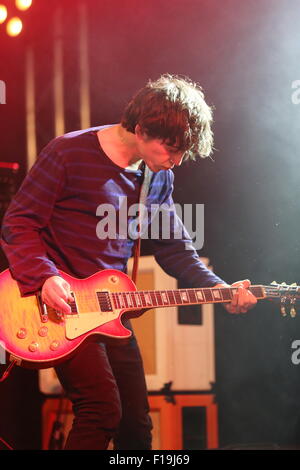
(41, 344)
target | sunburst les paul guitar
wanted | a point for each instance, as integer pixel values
(35, 335)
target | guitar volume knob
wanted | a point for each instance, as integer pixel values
(22, 333)
(33, 347)
(54, 345)
(43, 331)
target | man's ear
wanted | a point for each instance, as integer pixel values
(138, 131)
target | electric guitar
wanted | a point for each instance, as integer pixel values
(37, 336)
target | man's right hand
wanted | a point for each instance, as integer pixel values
(56, 292)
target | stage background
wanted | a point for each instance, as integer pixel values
(245, 54)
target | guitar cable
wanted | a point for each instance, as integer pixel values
(5, 444)
(7, 371)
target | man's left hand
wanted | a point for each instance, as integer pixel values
(243, 300)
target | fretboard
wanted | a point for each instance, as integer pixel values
(171, 298)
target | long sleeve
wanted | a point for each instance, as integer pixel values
(27, 215)
(176, 254)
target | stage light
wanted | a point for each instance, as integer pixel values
(3, 13)
(23, 4)
(14, 26)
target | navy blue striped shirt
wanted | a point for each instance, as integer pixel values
(52, 221)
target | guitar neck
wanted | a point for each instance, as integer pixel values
(171, 298)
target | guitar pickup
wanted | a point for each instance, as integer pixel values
(73, 305)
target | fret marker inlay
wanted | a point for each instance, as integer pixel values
(216, 294)
(199, 295)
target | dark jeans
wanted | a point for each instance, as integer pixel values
(106, 385)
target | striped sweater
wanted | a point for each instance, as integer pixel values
(52, 221)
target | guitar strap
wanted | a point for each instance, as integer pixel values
(142, 203)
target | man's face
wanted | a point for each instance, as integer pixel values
(158, 155)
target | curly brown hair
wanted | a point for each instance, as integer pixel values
(173, 109)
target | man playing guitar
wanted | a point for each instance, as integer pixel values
(51, 226)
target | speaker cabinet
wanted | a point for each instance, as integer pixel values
(179, 422)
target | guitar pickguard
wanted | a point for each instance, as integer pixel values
(77, 325)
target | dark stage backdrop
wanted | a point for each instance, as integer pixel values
(245, 54)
